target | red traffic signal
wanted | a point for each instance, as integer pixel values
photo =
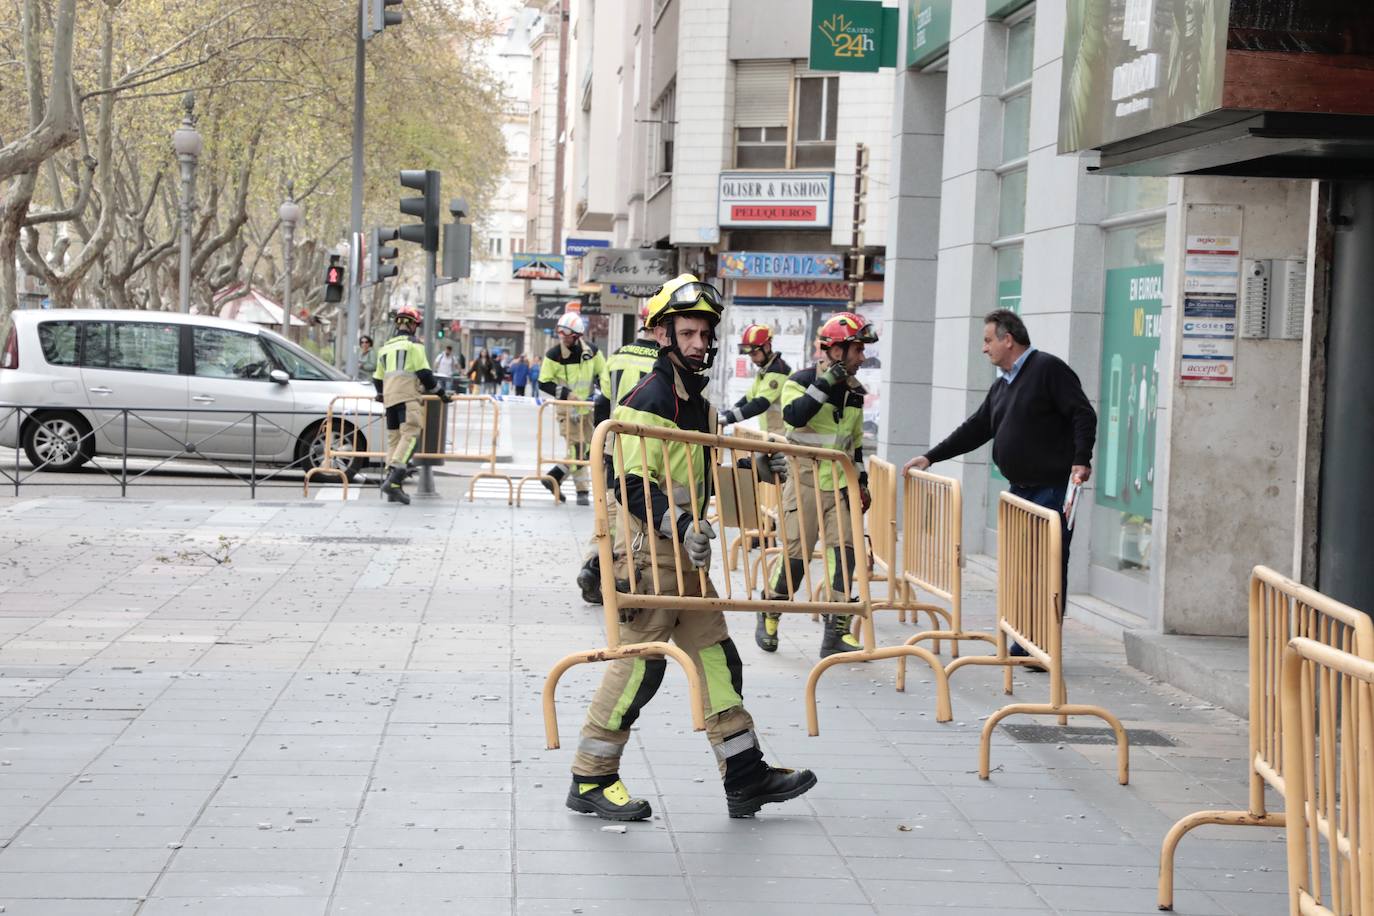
(333, 280)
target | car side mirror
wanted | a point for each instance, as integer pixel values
(278, 376)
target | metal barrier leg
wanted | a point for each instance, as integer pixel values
(1198, 819)
(488, 475)
(332, 472)
(954, 638)
(1123, 754)
(943, 709)
(606, 655)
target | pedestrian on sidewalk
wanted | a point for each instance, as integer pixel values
(444, 368)
(519, 374)
(683, 315)
(536, 365)
(822, 406)
(367, 358)
(402, 378)
(1039, 420)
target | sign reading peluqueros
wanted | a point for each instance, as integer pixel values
(779, 200)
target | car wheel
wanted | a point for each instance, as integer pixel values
(312, 445)
(58, 442)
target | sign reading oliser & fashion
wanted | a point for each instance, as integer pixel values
(778, 200)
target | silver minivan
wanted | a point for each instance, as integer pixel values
(187, 381)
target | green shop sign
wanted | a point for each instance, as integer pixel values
(927, 31)
(1130, 389)
(853, 35)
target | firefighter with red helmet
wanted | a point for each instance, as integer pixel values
(402, 378)
(770, 374)
(823, 407)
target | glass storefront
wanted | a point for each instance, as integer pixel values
(1008, 297)
(1122, 523)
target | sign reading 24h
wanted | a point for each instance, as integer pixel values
(849, 35)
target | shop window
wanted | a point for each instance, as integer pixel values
(1122, 524)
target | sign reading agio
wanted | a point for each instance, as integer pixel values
(781, 200)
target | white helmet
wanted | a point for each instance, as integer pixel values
(572, 323)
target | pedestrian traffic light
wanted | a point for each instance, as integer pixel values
(334, 280)
(379, 256)
(376, 16)
(426, 206)
(439, 332)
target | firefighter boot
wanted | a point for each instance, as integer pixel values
(773, 784)
(584, 498)
(836, 638)
(766, 629)
(556, 486)
(589, 581)
(391, 487)
(607, 798)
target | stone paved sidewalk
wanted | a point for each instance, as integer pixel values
(318, 707)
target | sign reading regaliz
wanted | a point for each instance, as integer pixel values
(850, 35)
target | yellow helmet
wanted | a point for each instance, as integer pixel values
(684, 295)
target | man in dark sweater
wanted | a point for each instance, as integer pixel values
(1038, 418)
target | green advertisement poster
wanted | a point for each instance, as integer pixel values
(927, 31)
(849, 35)
(1125, 459)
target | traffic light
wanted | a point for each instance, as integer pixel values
(457, 260)
(426, 206)
(334, 280)
(439, 332)
(379, 256)
(376, 16)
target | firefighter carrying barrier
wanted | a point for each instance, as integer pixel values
(471, 432)
(931, 554)
(1280, 610)
(1029, 545)
(1327, 701)
(642, 569)
(563, 438)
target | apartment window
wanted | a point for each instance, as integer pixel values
(517, 246)
(762, 90)
(817, 115)
(494, 246)
(1016, 101)
(667, 123)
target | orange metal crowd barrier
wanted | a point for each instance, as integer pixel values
(1327, 701)
(1280, 610)
(643, 569)
(1029, 542)
(570, 422)
(471, 432)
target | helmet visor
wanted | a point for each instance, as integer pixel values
(867, 335)
(688, 294)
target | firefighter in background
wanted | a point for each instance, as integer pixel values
(624, 369)
(570, 371)
(402, 378)
(770, 374)
(822, 406)
(683, 316)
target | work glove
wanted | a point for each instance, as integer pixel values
(777, 463)
(444, 395)
(723, 420)
(697, 543)
(833, 377)
(379, 399)
(865, 498)
(564, 393)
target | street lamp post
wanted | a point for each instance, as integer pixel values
(290, 214)
(187, 144)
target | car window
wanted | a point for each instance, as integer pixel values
(58, 340)
(137, 346)
(299, 364)
(229, 354)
